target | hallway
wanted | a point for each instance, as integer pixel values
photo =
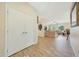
(48, 47)
(34, 29)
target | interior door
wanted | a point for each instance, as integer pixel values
(18, 31)
(29, 29)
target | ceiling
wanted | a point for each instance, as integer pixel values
(53, 11)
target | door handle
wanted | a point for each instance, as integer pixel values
(24, 32)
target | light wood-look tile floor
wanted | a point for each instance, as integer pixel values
(48, 47)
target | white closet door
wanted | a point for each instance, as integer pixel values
(18, 31)
(29, 29)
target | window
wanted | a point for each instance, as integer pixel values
(73, 16)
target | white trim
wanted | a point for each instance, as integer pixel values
(5, 29)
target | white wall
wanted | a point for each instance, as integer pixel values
(74, 39)
(2, 30)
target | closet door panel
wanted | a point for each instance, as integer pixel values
(29, 29)
(16, 38)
